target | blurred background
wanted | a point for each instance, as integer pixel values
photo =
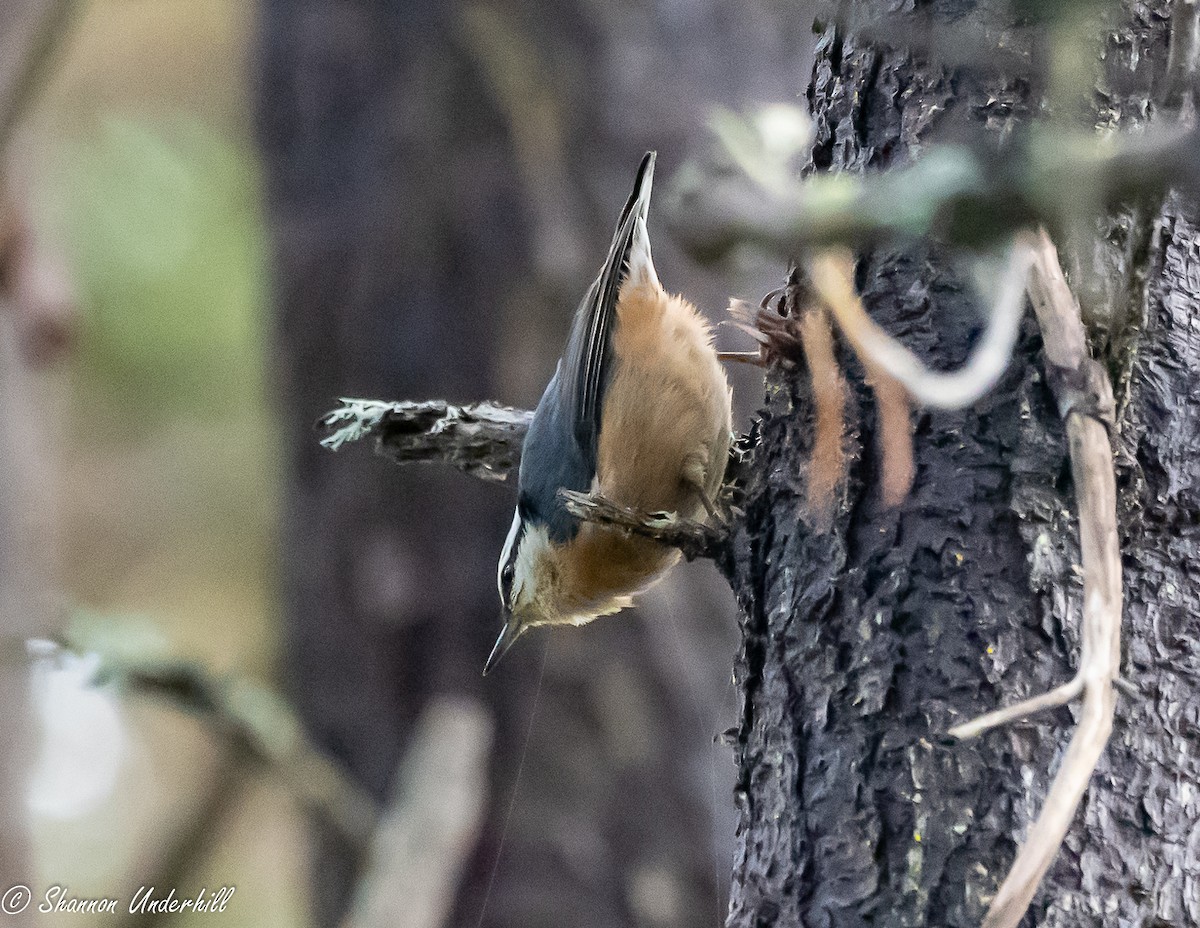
(217, 217)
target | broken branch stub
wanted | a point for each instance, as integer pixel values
(481, 439)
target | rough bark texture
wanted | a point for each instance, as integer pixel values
(863, 644)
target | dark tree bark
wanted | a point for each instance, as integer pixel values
(865, 643)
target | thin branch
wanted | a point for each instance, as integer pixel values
(694, 539)
(832, 275)
(481, 439)
(188, 845)
(1059, 696)
(753, 358)
(1085, 398)
(255, 719)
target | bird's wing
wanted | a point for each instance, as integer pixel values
(560, 449)
(586, 362)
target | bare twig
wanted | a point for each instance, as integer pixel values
(1085, 399)
(832, 274)
(693, 539)
(777, 333)
(29, 32)
(428, 832)
(1059, 696)
(481, 439)
(753, 358)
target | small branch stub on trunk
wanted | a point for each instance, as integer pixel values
(481, 439)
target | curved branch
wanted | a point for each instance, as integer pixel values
(1085, 397)
(832, 274)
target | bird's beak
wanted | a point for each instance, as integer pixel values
(508, 637)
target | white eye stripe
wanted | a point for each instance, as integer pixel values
(507, 558)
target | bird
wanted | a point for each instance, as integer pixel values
(639, 412)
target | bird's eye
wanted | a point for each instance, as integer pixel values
(506, 576)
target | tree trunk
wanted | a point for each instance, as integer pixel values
(863, 644)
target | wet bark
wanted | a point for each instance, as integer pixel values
(863, 644)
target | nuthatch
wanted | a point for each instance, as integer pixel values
(638, 411)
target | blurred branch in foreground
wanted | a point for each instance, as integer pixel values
(30, 33)
(253, 717)
(418, 847)
(429, 831)
(967, 195)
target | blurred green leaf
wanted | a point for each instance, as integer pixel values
(164, 225)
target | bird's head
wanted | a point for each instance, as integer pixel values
(526, 579)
